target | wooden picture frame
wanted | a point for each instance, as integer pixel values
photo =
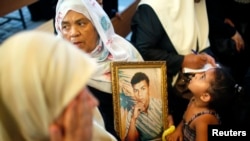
(127, 99)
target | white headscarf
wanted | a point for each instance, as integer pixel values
(115, 48)
(184, 21)
(39, 76)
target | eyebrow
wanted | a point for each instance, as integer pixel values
(78, 20)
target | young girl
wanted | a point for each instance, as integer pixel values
(212, 90)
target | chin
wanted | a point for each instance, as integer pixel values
(82, 48)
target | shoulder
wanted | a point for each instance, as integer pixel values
(155, 103)
(145, 8)
(206, 119)
(156, 100)
(145, 11)
(133, 54)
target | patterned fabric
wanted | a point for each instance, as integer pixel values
(149, 125)
(189, 133)
(112, 46)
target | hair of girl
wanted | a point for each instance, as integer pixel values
(226, 95)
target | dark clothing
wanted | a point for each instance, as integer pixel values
(153, 43)
(218, 10)
(224, 48)
(110, 7)
(42, 10)
(216, 16)
(106, 109)
(220, 34)
(239, 13)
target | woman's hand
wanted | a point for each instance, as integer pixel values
(239, 42)
(228, 21)
(210, 59)
(197, 61)
(76, 123)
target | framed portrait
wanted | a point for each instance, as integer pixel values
(140, 99)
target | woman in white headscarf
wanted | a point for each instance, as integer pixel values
(85, 24)
(43, 91)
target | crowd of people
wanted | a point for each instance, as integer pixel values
(59, 87)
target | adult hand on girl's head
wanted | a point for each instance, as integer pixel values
(210, 59)
(197, 61)
(193, 61)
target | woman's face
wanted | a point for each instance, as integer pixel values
(200, 83)
(79, 30)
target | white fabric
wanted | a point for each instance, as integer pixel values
(184, 21)
(115, 48)
(39, 76)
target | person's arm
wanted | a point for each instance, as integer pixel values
(177, 135)
(201, 131)
(201, 126)
(133, 134)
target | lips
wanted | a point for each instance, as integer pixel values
(77, 43)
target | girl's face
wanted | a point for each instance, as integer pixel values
(79, 30)
(200, 83)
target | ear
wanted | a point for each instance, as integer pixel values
(205, 97)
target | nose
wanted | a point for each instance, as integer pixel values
(139, 94)
(74, 32)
